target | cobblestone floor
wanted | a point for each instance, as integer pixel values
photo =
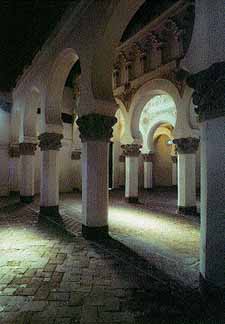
(49, 276)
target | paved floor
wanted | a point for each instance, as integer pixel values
(49, 276)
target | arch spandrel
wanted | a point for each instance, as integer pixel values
(102, 67)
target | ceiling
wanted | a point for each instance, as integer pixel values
(24, 26)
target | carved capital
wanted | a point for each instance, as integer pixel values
(187, 145)
(75, 155)
(27, 148)
(50, 141)
(174, 158)
(209, 91)
(122, 158)
(131, 149)
(148, 157)
(14, 151)
(96, 127)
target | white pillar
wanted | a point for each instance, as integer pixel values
(116, 165)
(76, 158)
(27, 169)
(209, 98)
(122, 170)
(50, 144)
(14, 168)
(148, 166)
(186, 148)
(132, 152)
(95, 132)
(174, 170)
(212, 247)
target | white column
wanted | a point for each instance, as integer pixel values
(27, 170)
(76, 158)
(186, 148)
(95, 131)
(174, 170)
(132, 152)
(148, 166)
(14, 170)
(212, 246)
(50, 144)
(116, 164)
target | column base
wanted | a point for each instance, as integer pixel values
(132, 200)
(212, 294)
(95, 233)
(191, 210)
(26, 199)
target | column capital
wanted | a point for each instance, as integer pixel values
(75, 155)
(27, 148)
(148, 157)
(188, 145)
(209, 91)
(122, 158)
(174, 158)
(96, 127)
(50, 141)
(131, 149)
(14, 151)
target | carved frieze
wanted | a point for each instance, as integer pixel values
(96, 127)
(50, 141)
(131, 149)
(209, 91)
(27, 148)
(188, 145)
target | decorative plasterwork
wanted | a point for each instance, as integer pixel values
(177, 77)
(209, 94)
(148, 157)
(174, 158)
(14, 151)
(50, 141)
(131, 149)
(187, 145)
(27, 148)
(127, 95)
(75, 155)
(96, 127)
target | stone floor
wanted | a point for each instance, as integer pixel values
(146, 273)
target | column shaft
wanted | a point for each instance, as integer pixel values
(27, 171)
(131, 152)
(131, 185)
(212, 246)
(49, 181)
(148, 175)
(95, 184)
(95, 133)
(208, 96)
(50, 144)
(186, 183)
(186, 149)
